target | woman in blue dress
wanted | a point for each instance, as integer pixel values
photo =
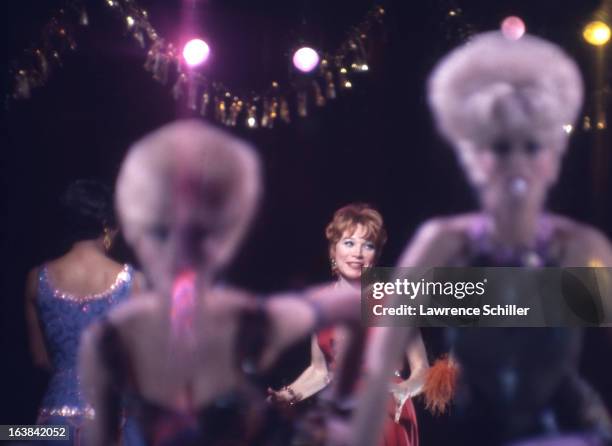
(66, 294)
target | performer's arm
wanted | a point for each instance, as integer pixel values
(312, 380)
(294, 316)
(36, 339)
(419, 365)
(436, 243)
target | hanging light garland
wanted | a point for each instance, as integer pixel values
(329, 72)
(324, 74)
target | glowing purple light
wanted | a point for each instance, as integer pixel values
(305, 59)
(196, 52)
(513, 27)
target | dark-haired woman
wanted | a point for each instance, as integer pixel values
(66, 294)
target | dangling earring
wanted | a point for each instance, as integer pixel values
(334, 266)
(108, 240)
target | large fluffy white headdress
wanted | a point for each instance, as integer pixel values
(220, 170)
(493, 85)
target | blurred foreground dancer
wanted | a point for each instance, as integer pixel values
(356, 236)
(66, 294)
(503, 104)
(187, 356)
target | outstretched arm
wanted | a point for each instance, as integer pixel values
(436, 243)
(293, 316)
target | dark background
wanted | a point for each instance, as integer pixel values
(374, 144)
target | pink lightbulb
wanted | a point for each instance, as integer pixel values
(196, 52)
(305, 59)
(513, 28)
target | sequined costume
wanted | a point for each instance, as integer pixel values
(239, 417)
(405, 431)
(63, 317)
(521, 383)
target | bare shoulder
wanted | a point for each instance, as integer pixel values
(574, 231)
(450, 227)
(134, 310)
(583, 245)
(113, 265)
(109, 268)
(438, 240)
(127, 318)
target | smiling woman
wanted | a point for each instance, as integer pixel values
(356, 236)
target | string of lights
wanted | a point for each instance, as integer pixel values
(318, 76)
(322, 75)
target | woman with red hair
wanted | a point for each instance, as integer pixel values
(356, 236)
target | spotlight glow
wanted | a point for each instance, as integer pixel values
(196, 52)
(596, 33)
(513, 28)
(305, 59)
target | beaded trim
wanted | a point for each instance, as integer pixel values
(67, 411)
(122, 278)
(531, 257)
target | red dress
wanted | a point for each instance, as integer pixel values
(403, 433)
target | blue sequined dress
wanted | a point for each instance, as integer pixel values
(63, 319)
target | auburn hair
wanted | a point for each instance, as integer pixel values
(348, 217)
